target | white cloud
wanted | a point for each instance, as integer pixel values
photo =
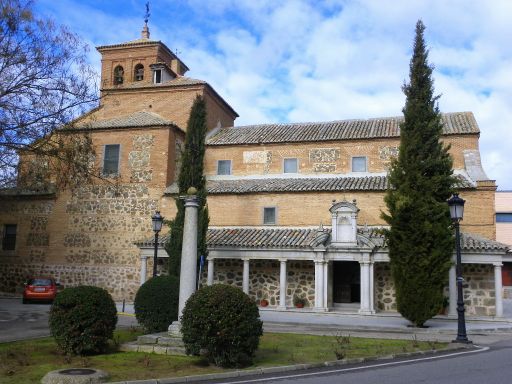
(304, 60)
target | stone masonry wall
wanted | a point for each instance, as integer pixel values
(121, 281)
(264, 279)
(480, 295)
(385, 297)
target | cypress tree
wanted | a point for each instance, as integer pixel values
(419, 239)
(191, 175)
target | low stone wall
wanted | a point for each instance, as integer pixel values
(121, 281)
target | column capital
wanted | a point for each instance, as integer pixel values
(144, 257)
(245, 258)
(498, 264)
(282, 260)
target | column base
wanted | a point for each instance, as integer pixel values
(281, 307)
(321, 309)
(174, 329)
(366, 312)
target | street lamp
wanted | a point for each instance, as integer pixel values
(456, 205)
(157, 226)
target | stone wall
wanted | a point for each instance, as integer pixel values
(264, 279)
(121, 281)
(479, 295)
(385, 297)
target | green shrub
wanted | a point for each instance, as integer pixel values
(156, 303)
(83, 319)
(224, 323)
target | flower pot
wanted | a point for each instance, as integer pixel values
(263, 303)
(299, 305)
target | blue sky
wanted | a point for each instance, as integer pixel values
(301, 60)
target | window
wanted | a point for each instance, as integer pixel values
(290, 166)
(504, 217)
(158, 76)
(359, 164)
(139, 72)
(224, 167)
(118, 75)
(9, 239)
(269, 215)
(111, 159)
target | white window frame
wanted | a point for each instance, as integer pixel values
(161, 76)
(296, 164)
(359, 157)
(230, 167)
(263, 215)
(118, 161)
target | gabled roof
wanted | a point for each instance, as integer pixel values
(454, 124)
(134, 120)
(303, 184)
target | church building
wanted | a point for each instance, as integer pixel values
(295, 209)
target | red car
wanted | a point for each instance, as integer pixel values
(40, 289)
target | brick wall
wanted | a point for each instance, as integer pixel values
(320, 157)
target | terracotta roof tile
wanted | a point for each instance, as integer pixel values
(454, 123)
(134, 120)
(304, 238)
(303, 184)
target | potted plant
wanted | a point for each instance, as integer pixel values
(263, 302)
(299, 301)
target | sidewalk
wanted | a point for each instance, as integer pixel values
(385, 325)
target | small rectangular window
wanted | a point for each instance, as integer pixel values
(9, 239)
(224, 167)
(359, 164)
(111, 159)
(269, 215)
(158, 76)
(504, 217)
(290, 166)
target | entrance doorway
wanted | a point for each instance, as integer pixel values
(346, 282)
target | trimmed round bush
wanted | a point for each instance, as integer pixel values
(83, 319)
(223, 323)
(156, 303)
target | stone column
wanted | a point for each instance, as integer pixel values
(452, 291)
(282, 285)
(211, 265)
(325, 278)
(372, 287)
(143, 269)
(498, 286)
(245, 282)
(365, 287)
(319, 284)
(188, 271)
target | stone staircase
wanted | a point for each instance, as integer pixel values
(160, 343)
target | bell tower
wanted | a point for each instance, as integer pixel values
(139, 62)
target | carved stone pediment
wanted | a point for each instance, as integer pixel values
(344, 223)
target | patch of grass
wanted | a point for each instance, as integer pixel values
(28, 361)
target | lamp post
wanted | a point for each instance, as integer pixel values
(456, 205)
(157, 226)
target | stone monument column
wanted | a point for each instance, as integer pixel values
(188, 271)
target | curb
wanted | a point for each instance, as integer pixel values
(287, 368)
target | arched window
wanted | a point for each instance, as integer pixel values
(118, 75)
(139, 72)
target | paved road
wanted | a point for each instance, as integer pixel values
(492, 366)
(24, 321)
